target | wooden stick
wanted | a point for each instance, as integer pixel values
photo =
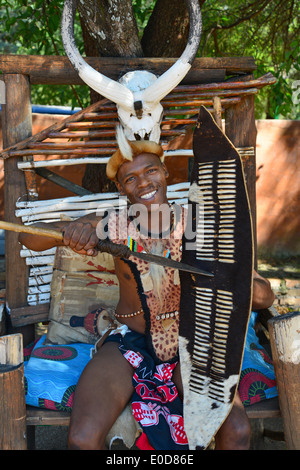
(199, 102)
(34, 230)
(77, 125)
(75, 151)
(210, 93)
(267, 79)
(102, 115)
(85, 160)
(77, 134)
(74, 144)
(61, 162)
(101, 133)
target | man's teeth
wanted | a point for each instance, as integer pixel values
(148, 195)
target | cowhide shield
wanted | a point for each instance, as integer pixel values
(214, 311)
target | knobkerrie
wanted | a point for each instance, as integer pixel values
(214, 312)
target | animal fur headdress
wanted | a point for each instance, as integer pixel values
(128, 150)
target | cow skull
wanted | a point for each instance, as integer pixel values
(137, 94)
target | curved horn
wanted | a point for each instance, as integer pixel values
(173, 76)
(111, 89)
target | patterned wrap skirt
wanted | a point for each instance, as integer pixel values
(156, 404)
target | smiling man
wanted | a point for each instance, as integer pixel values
(139, 360)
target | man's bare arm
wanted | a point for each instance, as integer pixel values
(263, 296)
(80, 235)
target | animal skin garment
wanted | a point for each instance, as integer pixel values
(214, 312)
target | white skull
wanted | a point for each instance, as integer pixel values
(143, 121)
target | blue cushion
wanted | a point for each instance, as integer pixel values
(52, 372)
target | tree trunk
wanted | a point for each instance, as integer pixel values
(109, 29)
(167, 30)
(113, 26)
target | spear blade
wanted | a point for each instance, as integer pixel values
(171, 263)
(123, 251)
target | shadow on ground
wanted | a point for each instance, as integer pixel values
(55, 437)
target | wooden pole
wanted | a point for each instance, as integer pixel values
(12, 393)
(17, 125)
(57, 70)
(285, 343)
(240, 128)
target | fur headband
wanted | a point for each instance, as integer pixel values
(128, 150)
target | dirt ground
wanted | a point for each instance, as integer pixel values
(279, 266)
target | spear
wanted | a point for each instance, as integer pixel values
(108, 247)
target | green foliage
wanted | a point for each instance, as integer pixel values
(33, 28)
(142, 11)
(282, 100)
(268, 30)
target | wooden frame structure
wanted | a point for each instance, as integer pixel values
(226, 85)
(17, 124)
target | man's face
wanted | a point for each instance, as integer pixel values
(143, 180)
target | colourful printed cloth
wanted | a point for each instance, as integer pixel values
(155, 403)
(257, 379)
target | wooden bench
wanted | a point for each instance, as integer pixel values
(33, 314)
(257, 413)
(39, 417)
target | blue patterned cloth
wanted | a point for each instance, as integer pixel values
(257, 379)
(52, 372)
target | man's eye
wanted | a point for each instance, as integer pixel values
(129, 180)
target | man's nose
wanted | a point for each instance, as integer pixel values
(143, 181)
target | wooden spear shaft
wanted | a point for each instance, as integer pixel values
(34, 230)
